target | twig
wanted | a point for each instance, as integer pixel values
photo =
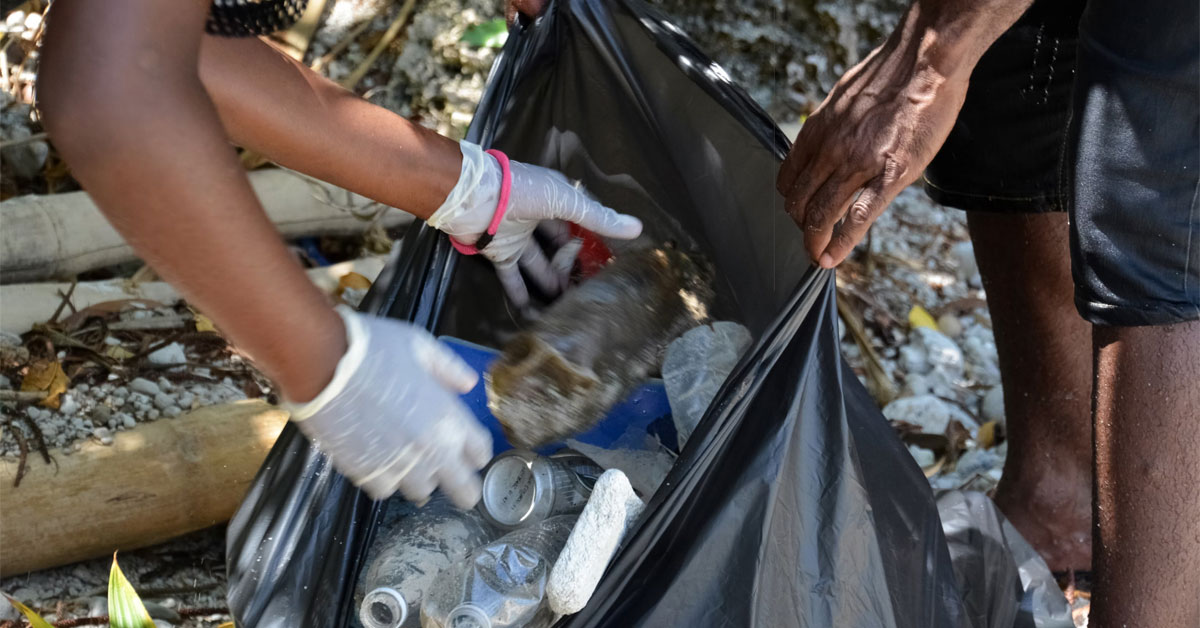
(20, 140)
(337, 48)
(161, 322)
(296, 39)
(37, 436)
(66, 300)
(23, 458)
(22, 395)
(884, 391)
(388, 37)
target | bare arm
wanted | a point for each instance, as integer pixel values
(280, 108)
(123, 100)
(885, 120)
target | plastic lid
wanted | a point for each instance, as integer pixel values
(383, 608)
(468, 616)
(509, 491)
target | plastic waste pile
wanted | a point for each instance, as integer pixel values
(534, 548)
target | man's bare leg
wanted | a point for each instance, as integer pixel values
(1045, 362)
(1147, 549)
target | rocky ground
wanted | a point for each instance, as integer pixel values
(916, 328)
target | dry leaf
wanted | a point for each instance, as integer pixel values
(48, 377)
(987, 435)
(920, 317)
(118, 352)
(203, 323)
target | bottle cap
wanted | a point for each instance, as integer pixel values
(468, 616)
(383, 608)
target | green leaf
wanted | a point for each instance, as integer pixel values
(125, 609)
(35, 620)
(490, 34)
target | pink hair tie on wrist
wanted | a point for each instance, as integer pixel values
(501, 207)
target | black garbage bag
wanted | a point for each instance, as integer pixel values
(792, 504)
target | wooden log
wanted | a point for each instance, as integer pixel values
(153, 483)
(22, 305)
(60, 235)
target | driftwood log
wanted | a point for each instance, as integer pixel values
(58, 236)
(153, 483)
(23, 304)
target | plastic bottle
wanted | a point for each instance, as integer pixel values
(502, 584)
(410, 553)
(695, 366)
(521, 488)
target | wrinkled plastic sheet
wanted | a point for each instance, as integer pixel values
(792, 504)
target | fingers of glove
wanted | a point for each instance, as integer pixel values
(863, 212)
(563, 261)
(601, 220)
(825, 208)
(477, 446)
(417, 486)
(556, 233)
(514, 285)
(541, 193)
(443, 364)
(460, 483)
(538, 269)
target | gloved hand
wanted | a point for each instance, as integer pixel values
(537, 194)
(390, 419)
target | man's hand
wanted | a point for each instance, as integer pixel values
(885, 120)
(528, 8)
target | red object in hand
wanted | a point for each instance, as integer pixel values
(594, 255)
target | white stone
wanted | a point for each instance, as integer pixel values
(923, 456)
(67, 405)
(949, 325)
(929, 413)
(15, 22)
(112, 341)
(153, 414)
(144, 386)
(978, 461)
(104, 435)
(5, 383)
(185, 400)
(170, 354)
(963, 254)
(172, 411)
(162, 401)
(940, 351)
(992, 406)
(129, 422)
(165, 384)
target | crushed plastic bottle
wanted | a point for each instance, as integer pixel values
(696, 365)
(502, 584)
(521, 488)
(409, 553)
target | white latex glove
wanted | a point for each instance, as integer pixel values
(390, 419)
(537, 194)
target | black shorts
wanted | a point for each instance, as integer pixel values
(1093, 110)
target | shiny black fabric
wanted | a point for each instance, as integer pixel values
(793, 503)
(1133, 163)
